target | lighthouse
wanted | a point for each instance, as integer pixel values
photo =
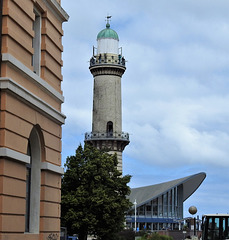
(107, 66)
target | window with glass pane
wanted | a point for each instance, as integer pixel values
(170, 203)
(148, 209)
(225, 228)
(155, 207)
(141, 210)
(165, 205)
(160, 206)
(36, 43)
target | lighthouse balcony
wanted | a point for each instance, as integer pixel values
(106, 135)
(107, 58)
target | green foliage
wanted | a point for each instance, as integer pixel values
(156, 236)
(94, 194)
(126, 235)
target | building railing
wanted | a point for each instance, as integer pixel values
(107, 59)
(107, 135)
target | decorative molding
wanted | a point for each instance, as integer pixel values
(30, 98)
(23, 158)
(51, 167)
(58, 10)
(108, 144)
(107, 69)
(6, 57)
(9, 153)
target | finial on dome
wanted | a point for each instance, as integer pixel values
(108, 21)
(107, 33)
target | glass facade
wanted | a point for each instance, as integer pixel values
(155, 206)
(162, 212)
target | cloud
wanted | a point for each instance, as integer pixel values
(185, 130)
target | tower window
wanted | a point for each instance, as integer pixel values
(36, 44)
(110, 128)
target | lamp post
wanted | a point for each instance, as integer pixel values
(193, 211)
(135, 215)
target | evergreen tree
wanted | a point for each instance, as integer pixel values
(94, 194)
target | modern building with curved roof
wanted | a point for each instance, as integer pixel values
(160, 206)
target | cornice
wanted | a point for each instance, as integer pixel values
(57, 9)
(108, 144)
(9, 153)
(8, 84)
(51, 167)
(25, 159)
(6, 57)
(107, 69)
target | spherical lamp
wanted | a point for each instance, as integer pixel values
(192, 210)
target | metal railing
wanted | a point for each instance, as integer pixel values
(107, 135)
(120, 60)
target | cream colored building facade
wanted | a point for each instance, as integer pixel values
(30, 119)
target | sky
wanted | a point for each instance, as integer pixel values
(175, 91)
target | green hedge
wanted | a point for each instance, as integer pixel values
(155, 236)
(126, 235)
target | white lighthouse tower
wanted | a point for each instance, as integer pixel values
(107, 66)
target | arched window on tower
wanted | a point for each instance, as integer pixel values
(110, 129)
(33, 181)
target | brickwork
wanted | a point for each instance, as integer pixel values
(30, 118)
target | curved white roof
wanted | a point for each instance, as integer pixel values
(147, 193)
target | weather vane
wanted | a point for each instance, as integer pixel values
(108, 18)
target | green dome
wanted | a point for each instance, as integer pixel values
(107, 33)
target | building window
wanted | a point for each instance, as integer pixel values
(173, 202)
(28, 188)
(33, 182)
(148, 209)
(165, 205)
(155, 226)
(141, 210)
(110, 129)
(170, 203)
(36, 43)
(160, 206)
(155, 207)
